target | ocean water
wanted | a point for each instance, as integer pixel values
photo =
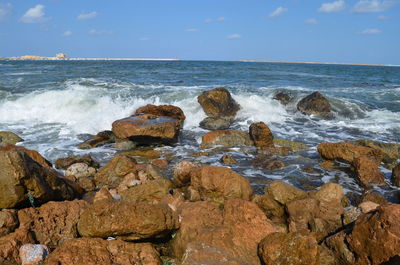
(54, 104)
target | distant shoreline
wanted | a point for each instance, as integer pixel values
(328, 63)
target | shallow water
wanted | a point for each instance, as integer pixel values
(51, 104)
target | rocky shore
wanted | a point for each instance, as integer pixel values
(144, 207)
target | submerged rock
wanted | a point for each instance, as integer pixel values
(294, 146)
(228, 160)
(218, 102)
(227, 138)
(283, 97)
(261, 135)
(9, 138)
(315, 104)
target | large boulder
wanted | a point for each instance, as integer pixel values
(95, 251)
(226, 138)
(315, 104)
(391, 151)
(24, 181)
(9, 138)
(261, 135)
(218, 102)
(125, 220)
(283, 192)
(163, 111)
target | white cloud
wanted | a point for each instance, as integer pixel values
(370, 31)
(211, 20)
(100, 32)
(34, 15)
(371, 6)
(234, 36)
(144, 39)
(89, 15)
(67, 33)
(332, 7)
(278, 12)
(4, 10)
(192, 30)
(311, 21)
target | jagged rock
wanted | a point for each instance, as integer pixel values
(215, 123)
(218, 102)
(227, 138)
(367, 172)
(330, 192)
(261, 135)
(80, 170)
(283, 192)
(100, 139)
(368, 206)
(163, 111)
(9, 138)
(391, 151)
(315, 104)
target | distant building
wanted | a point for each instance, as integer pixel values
(61, 56)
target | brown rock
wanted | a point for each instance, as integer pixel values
(261, 135)
(114, 171)
(124, 144)
(54, 222)
(64, 163)
(8, 221)
(9, 138)
(226, 138)
(218, 102)
(100, 139)
(268, 163)
(367, 206)
(315, 104)
(151, 192)
(201, 253)
(182, 172)
(103, 194)
(219, 183)
(147, 128)
(125, 220)
(327, 164)
(87, 184)
(228, 160)
(283, 192)
(367, 172)
(330, 192)
(396, 175)
(160, 163)
(216, 123)
(10, 244)
(373, 196)
(33, 254)
(391, 151)
(273, 210)
(144, 153)
(35, 155)
(283, 97)
(162, 111)
(95, 251)
(294, 146)
(347, 152)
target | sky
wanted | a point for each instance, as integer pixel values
(348, 31)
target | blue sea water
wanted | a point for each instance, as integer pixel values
(52, 104)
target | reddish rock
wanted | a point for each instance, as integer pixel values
(100, 139)
(54, 222)
(339, 247)
(33, 254)
(144, 154)
(283, 192)
(261, 135)
(330, 192)
(182, 172)
(391, 151)
(151, 191)
(64, 163)
(126, 220)
(162, 111)
(219, 183)
(315, 104)
(95, 251)
(160, 163)
(218, 102)
(273, 209)
(226, 138)
(373, 196)
(367, 172)
(8, 221)
(147, 128)
(396, 175)
(10, 244)
(35, 155)
(367, 206)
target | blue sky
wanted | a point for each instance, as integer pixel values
(357, 31)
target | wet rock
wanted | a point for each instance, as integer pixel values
(9, 138)
(10, 244)
(80, 170)
(220, 183)
(145, 154)
(160, 163)
(218, 102)
(147, 129)
(289, 249)
(100, 139)
(261, 135)
(396, 175)
(294, 146)
(347, 152)
(33, 254)
(64, 163)
(152, 192)
(23, 180)
(267, 163)
(163, 111)
(274, 151)
(8, 221)
(114, 171)
(367, 172)
(95, 251)
(54, 222)
(391, 151)
(35, 155)
(226, 138)
(283, 97)
(373, 196)
(327, 165)
(182, 172)
(283, 192)
(330, 192)
(315, 104)
(228, 160)
(126, 220)
(367, 206)
(215, 123)
(125, 144)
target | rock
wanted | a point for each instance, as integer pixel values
(261, 135)
(283, 192)
(215, 123)
(114, 171)
(283, 97)
(8, 221)
(347, 152)
(10, 244)
(268, 163)
(273, 210)
(126, 220)
(396, 175)
(80, 170)
(367, 206)
(294, 146)
(87, 184)
(338, 245)
(124, 144)
(163, 111)
(100, 139)
(330, 192)
(145, 154)
(289, 249)
(315, 104)
(96, 251)
(327, 164)
(218, 102)
(226, 138)
(228, 160)
(391, 151)
(153, 172)
(147, 129)
(66, 162)
(201, 253)
(9, 138)
(103, 194)
(274, 151)
(54, 222)
(219, 183)
(160, 163)
(31, 254)
(151, 192)
(35, 155)
(22, 180)
(373, 196)
(367, 172)
(182, 172)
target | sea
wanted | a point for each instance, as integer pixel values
(55, 105)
